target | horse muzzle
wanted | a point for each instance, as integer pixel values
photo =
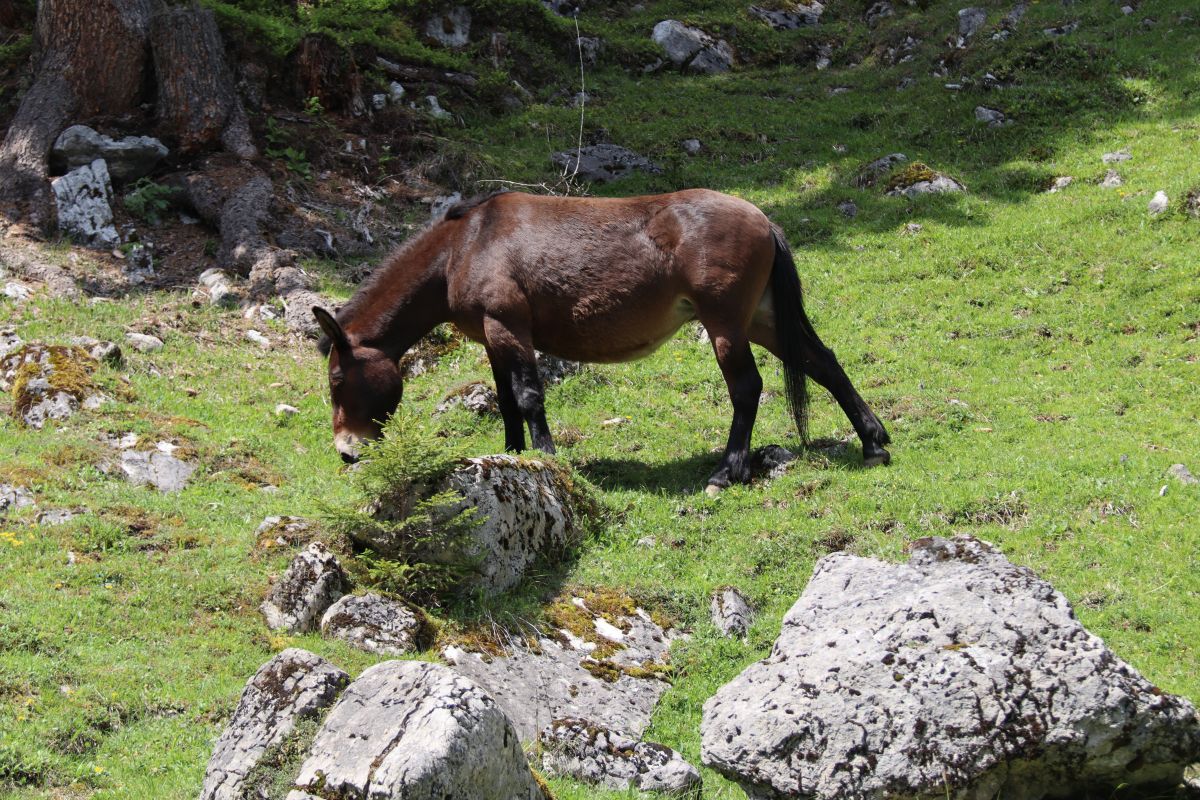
(348, 446)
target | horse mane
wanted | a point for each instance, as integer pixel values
(378, 275)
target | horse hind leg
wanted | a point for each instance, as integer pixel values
(822, 366)
(734, 357)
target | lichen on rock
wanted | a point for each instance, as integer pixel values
(47, 381)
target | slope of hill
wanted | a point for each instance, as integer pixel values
(1035, 354)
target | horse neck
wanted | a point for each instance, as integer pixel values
(409, 301)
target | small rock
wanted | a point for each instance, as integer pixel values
(443, 203)
(13, 497)
(970, 20)
(416, 730)
(589, 49)
(1116, 157)
(848, 209)
(284, 410)
(615, 421)
(478, 398)
(293, 686)
(161, 470)
(103, 351)
(395, 92)
(1060, 184)
(54, 380)
(731, 612)
(692, 47)
(435, 109)
(647, 542)
(1061, 30)
(126, 159)
(991, 116)
(379, 101)
(10, 342)
(15, 290)
(554, 370)
(869, 174)
(692, 147)
(801, 16)
(1180, 473)
(450, 28)
(594, 754)
(1112, 180)
(878, 12)
(56, 516)
(375, 624)
(771, 461)
(603, 162)
(313, 582)
(834, 91)
(1159, 203)
(83, 197)
(259, 339)
(144, 342)
(938, 183)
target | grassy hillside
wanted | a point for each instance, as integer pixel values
(1035, 356)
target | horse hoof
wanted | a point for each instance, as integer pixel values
(876, 458)
(712, 490)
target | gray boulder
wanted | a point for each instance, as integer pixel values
(478, 398)
(83, 197)
(144, 342)
(958, 673)
(991, 116)
(932, 183)
(801, 16)
(48, 382)
(14, 497)
(374, 623)
(415, 730)
(603, 162)
(524, 510)
(970, 20)
(869, 174)
(1112, 180)
(313, 582)
(127, 159)
(160, 469)
(103, 351)
(731, 612)
(692, 48)
(450, 28)
(1182, 474)
(292, 686)
(606, 674)
(878, 12)
(594, 754)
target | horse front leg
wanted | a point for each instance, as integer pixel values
(510, 412)
(745, 386)
(511, 351)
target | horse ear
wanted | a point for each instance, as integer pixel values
(331, 327)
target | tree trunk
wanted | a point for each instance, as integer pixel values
(326, 70)
(8, 14)
(91, 59)
(196, 97)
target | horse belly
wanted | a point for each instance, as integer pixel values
(613, 335)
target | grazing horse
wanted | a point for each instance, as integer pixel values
(586, 279)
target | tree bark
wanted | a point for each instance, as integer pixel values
(196, 97)
(91, 59)
(326, 70)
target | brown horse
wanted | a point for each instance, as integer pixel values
(586, 279)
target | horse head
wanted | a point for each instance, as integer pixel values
(365, 387)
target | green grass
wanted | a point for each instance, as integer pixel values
(1035, 357)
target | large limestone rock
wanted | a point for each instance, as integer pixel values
(47, 382)
(692, 48)
(603, 162)
(374, 623)
(526, 510)
(127, 159)
(84, 197)
(958, 674)
(611, 759)
(607, 671)
(407, 729)
(159, 468)
(292, 686)
(313, 582)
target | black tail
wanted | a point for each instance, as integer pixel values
(793, 331)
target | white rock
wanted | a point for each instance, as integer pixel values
(293, 686)
(1116, 157)
(407, 729)
(1183, 475)
(731, 612)
(284, 410)
(1112, 180)
(313, 582)
(1060, 184)
(451, 28)
(1159, 203)
(259, 339)
(374, 623)
(161, 470)
(83, 197)
(144, 342)
(435, 109)
(126, 159)
(594, 754)
(958, 669)
(970, 20)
